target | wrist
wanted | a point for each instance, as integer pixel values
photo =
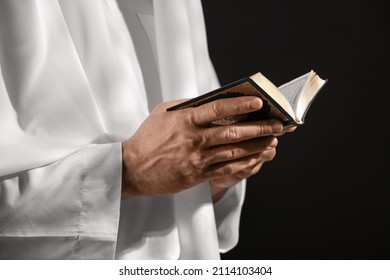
(129, 187)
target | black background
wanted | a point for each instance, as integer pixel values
(326, 193)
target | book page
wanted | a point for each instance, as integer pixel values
(292, 89)
(273, 92)
(308, 94)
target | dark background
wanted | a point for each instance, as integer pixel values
(326, 193)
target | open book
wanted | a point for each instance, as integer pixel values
(288, 102)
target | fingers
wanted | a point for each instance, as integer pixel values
(286, 129)
(223, 108)
(242, 131)
(228, 181)
(230, 168)
(239, 150)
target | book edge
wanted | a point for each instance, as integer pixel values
(197, 101)
(325, 81)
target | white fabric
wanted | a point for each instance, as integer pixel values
(73, 85)
(66, 210)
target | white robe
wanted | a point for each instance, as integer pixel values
(77, 78)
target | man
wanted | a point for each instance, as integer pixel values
(86, 171)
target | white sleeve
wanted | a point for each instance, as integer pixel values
(65, 210)
(227, 213)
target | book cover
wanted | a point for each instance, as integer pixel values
(243, 87)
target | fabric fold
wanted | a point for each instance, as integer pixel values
(74, 83)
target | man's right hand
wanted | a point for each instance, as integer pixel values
(173, 151)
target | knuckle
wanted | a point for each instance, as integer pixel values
(190, 117)
(216, 109)
(232, 134)
(265, 128)
(197, 142)
(261, 130)
(190, 140)
(195, 162)
(233, 153)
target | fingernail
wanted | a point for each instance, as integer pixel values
(277, 126)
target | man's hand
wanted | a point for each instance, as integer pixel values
(220, 185)
(173, 151)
